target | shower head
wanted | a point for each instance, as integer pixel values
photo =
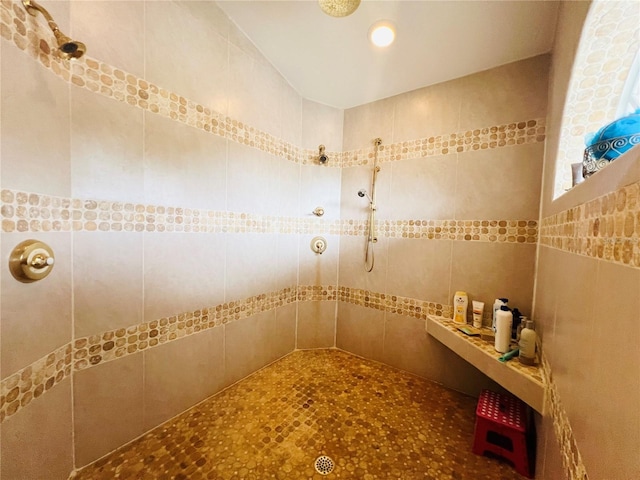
(322, 157)
(362, 193)
(67, 48)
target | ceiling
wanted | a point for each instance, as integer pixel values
(330, 60)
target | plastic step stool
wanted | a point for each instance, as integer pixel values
(501, 428)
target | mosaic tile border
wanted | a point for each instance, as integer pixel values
(19, 389)
(32, 212)
(607, 228)
(34, 38)
(496, 136)
(571, 459)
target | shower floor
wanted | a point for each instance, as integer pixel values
(375, 422)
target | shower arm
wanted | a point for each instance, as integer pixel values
(66, 47)
(32, 7)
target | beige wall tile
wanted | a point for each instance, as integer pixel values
(285, 336)
(253, 181)
(352, 271)
(37, 441)
(108, 282)
(180, 374)
(256, 90)
(106, 148)
(548, 460)
(287, 261)
(423, 188)
(316, 269)
(288, 194)
(613, 346)
(511, 93)
(250, 344)
(251, 264)
(183, 166)
(548, 286)
(408, 346)
(100, 26)
(175, 33)
(364, 123)
(316, 324)
(501, 184)
(360, 330)
(420, 269)
(36, 317)
(426, 112)
(292, 116)
(170, 266)
(34, 127)
(108, 407)
(572, 347)
(321, 125)
(487, 271)
(320, 187)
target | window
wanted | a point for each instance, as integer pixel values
(602, 81)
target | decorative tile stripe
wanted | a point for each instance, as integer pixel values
(607, 228)
(18, 390)
(34, 38)
(32, 212)
(96, 349)
(503, 231)
(410, 307)
(519, 133)
(571, 459)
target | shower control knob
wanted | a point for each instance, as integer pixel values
(30, 261)
(318, 212)
(318, 245)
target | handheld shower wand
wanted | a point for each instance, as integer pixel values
(369, 256)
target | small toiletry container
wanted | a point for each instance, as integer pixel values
(528, 344)
(504, 319)
(478, 311)
(460, 304)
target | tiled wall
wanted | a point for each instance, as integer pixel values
(587, 298)
(179, 210)
(490, 185)
(148, 182)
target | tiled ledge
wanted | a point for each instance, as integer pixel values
(523, 381)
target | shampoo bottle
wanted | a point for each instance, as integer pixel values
(460, 304)
(528, 344)
(496, 306)
(504, 319)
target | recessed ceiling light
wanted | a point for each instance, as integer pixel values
(382, 33)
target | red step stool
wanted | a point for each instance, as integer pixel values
(501, 428)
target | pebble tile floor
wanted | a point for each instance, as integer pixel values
(373, 421)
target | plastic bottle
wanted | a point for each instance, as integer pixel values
(523, 322)
(460, 304)
(504, 319)
(496, 306)
(517, 318)
(528, 344)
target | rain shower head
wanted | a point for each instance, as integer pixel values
(67, 48)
